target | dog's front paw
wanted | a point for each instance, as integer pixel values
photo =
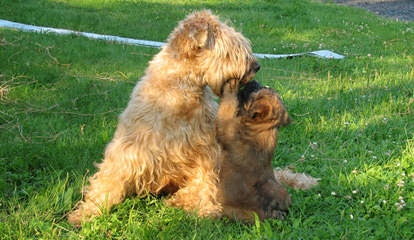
(231, 87)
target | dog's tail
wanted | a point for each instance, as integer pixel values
(298, 181)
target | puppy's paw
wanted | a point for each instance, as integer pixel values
(275, 195)
(284, 201)
(278, 214)
(231, 88)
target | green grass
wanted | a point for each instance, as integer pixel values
(60, 97)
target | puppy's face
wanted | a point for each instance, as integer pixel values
(258, 105)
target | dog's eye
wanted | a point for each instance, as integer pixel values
(256, 67)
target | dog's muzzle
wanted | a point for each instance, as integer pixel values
(255, 67)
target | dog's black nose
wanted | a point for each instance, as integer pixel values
(256, 66)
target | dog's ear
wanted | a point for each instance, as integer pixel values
(193, 34)
(266, 110)
(198, 36)
(260, 111)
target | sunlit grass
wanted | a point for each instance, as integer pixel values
(353, 118)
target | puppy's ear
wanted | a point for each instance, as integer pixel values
(193, 34)
(259, 111)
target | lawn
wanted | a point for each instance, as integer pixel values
(353, 118)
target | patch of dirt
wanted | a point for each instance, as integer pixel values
(397, 9)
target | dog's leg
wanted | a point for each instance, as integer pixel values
(274, 199)
(199, 194)
(108, 186)
(226, 123)
(241, 214)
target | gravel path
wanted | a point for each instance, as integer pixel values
(397, 9)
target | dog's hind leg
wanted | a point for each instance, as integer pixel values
(109, 186)
(200, 192)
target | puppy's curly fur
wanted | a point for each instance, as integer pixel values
(247, 127)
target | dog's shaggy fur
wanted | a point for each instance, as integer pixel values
(247, 128)
(166, 140)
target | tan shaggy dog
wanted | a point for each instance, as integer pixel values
(166, 140)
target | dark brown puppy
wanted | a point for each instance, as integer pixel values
(247, 127)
